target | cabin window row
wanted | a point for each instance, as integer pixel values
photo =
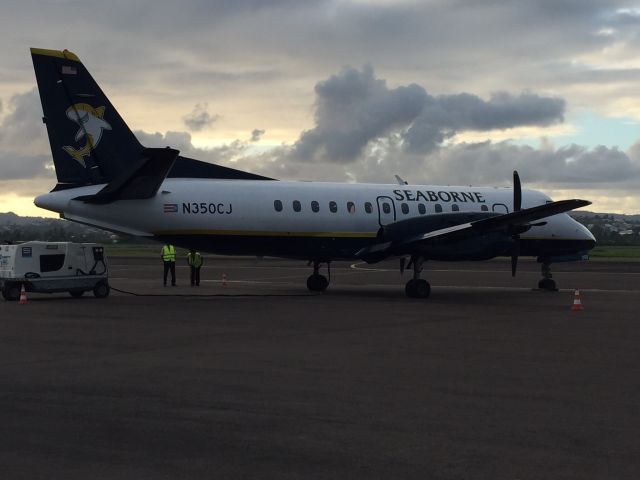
(315, 206)
(368, 207)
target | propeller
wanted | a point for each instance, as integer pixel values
(517, 205)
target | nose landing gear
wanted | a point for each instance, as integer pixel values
(417, 287)
(547, 282)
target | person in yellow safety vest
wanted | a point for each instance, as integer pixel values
(169, 259)
(194, 259)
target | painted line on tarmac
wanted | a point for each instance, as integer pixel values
(356, 266)
(401, 286)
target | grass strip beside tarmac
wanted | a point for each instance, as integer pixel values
(616, 252)
(630, 252)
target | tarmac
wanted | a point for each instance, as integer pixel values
(488, 378)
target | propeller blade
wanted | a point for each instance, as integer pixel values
(515, 252)
(517, 192)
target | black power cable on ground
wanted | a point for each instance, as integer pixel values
(214, 294)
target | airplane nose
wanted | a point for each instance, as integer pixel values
(585, 237)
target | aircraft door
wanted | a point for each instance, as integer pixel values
(386, 210)
(500, 208)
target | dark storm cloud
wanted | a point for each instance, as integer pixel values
(199, 118)
(472, 43)
(445, 115)
(23, 141)
(14, 166)
(483, 163)
(354, 107)
(256, 134)
(571, 166)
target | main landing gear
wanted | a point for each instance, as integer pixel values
(417, 287)
(547, 282)
(317, 282)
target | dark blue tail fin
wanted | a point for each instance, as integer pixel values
(89, 140)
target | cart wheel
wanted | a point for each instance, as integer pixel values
(11, 292)
(101, 290)
(76, 293)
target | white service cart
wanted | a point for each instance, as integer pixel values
(48, 267)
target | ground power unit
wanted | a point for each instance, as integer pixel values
(49, 267)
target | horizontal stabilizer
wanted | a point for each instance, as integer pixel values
(189, 168)
(141, 180)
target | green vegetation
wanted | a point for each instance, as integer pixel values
(616, 252)
(144, 250)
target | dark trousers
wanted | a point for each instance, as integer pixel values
(170, 266)
(195, 276)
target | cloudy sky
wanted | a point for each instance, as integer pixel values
(439, 92)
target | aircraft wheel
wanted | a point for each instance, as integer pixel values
(101, 290)
(417, 288)
(547, 284)
(317, 283)
(76, 293)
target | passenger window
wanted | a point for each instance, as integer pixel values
(315, 206)
(296, 206)
(455, 208)
(277, 205)
(484, 208)
(367, 207)
(386, 208)
(438, 208)
(351, 207)
(333, 207)
(405, 208)
(422, 209)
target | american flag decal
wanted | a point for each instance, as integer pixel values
(68, 70)
(170, 208)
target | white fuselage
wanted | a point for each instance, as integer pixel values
(251, 208)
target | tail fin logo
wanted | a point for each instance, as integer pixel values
(91, 124)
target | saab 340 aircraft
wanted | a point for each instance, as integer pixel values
(107, 179)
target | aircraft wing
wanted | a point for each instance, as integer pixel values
(499, 222)
(510, 223)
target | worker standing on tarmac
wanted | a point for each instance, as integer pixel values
(169, 258)
(194, 259)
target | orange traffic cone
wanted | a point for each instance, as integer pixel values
(577, 303)
(224, 279)
(23, 296)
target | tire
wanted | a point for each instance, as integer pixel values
(101, 290)
(76, 293)
(410, 288)
(422, 289)
(317, 283)
(11, 292)
(547, 284)
(417, 288)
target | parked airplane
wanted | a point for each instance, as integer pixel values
(107, 179)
